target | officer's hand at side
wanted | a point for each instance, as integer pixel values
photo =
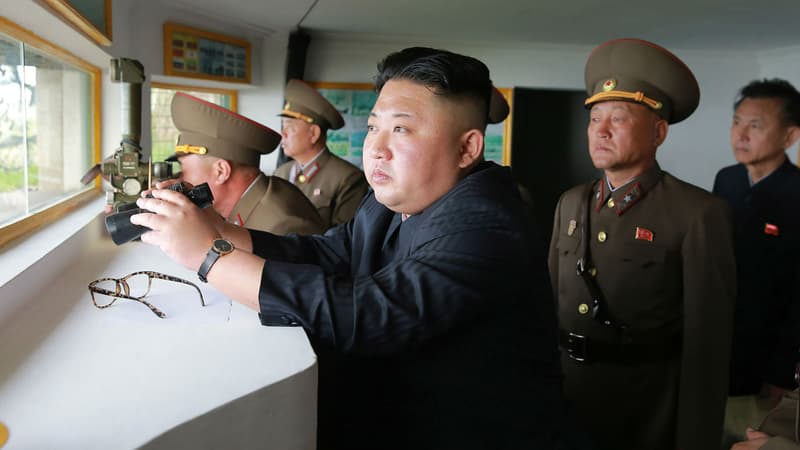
(179, 228)
(773, 393)
(755, 440)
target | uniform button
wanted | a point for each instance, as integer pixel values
(611, 203)
(583, 308)
(602, 236)
(593, 271)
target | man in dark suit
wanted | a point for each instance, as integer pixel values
(642, 267)
(431, 310)
(222, 148)
(333, 185)
(763, 190)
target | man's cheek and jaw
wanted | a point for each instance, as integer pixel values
(601, 150)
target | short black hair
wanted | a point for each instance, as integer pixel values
(774, 88)
(445, 73)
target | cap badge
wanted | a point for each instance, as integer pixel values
(287, 106)
(609, 85)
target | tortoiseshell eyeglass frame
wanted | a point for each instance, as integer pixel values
(124, 291)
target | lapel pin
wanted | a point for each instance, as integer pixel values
(643, 234)
(771, 229)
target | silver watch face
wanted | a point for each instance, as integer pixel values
(223, 246)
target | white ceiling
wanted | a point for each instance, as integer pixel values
(687, 24)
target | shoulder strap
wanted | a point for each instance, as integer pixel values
(600, 310)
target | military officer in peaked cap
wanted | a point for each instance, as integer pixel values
(222, 148)
(642, 267)
(498, 107)
(335, 186)
(498, 112)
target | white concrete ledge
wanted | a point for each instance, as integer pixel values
(74, 376)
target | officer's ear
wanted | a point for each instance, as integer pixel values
(315, 133)
(661, 131)
(220, 171)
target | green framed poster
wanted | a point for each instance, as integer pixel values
(355, 101)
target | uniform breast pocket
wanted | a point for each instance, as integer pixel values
(321, 199)
(642, 256)
(773, 246)
(567, 248)
(567, 245)
(323, 202)
(639, 275)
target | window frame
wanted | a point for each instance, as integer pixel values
(233, 93)
(30, 223)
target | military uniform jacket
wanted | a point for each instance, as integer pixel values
(434, 333)
(333, 185)
(273, 204)
(661, 251)
(766, 335)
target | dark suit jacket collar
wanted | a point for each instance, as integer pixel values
(774, 180)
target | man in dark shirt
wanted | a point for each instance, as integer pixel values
(763, 190)
(431, 310)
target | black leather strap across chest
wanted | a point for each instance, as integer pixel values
(600, 310)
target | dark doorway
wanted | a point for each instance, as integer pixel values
(549, 150)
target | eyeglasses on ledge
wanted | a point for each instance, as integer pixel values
(134, 286)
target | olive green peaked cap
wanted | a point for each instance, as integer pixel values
(209, 129)
(306, 103)
(639, 71)
(498, 107)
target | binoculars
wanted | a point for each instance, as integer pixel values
(119, 224)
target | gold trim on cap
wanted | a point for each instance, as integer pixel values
(186, 148)
(297, 115)
(637, 96)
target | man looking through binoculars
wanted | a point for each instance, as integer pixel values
(222, 148)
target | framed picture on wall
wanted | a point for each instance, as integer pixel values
(91, 17)
(497, 142)
(194, 53)
(355, 101)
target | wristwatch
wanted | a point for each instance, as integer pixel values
(219, 248)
